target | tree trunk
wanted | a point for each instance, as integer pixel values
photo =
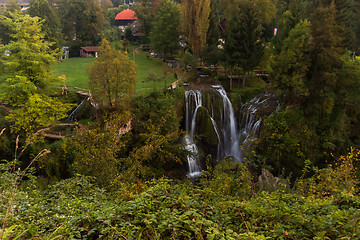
(230, 79)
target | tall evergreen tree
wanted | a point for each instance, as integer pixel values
(212, 54)
(326, 49)
(243, 46)
(347, 17)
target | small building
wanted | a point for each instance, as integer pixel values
(22, 4)
(136, 29)
(125, 17)
(89, 51)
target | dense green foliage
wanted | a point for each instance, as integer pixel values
(107, 172)
(25, 78)
(164, 209)
(165, 33)
(81, 22)
(195, 23)
(243, 46)
(51, 25)
(112, 78)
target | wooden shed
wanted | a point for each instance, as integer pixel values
(89, 51)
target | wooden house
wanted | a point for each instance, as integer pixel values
(125, 17)
(89, 51)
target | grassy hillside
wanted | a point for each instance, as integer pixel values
(157, 69)
(75, 70)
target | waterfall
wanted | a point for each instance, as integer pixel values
(230, 136)
(249, 126)
(234, 131)
(193, 100)
(73, 113)
(192, 158)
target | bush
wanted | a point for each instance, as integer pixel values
(229, 178)
(94, 154)
(341, 177)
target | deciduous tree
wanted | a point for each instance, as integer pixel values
(82, 20)
(267, 9)
(51, 25)
(25, 77)
(291, 66)
(165, 33)
(195, 23)
(112, 77)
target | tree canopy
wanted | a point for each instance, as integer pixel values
(112, 77)
(82, 20)
(165, 32)
(195, 23)
(51, 24)
(243, 46)
(26, 79)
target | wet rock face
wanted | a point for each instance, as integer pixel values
(205, 130)
(213, 126)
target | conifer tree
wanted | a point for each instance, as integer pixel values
(243, 45)
(326, 49)
(212, 54)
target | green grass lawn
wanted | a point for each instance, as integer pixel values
(75, 70)
(152, 66)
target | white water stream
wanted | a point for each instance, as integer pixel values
(231, 137)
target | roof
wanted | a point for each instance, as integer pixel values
(90, 49)
(126, 14)
(18, 1)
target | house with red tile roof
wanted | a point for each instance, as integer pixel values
(125, 17)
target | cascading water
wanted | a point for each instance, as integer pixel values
(73, 113)
(193, 101)
(230, 136)
(233, 133)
